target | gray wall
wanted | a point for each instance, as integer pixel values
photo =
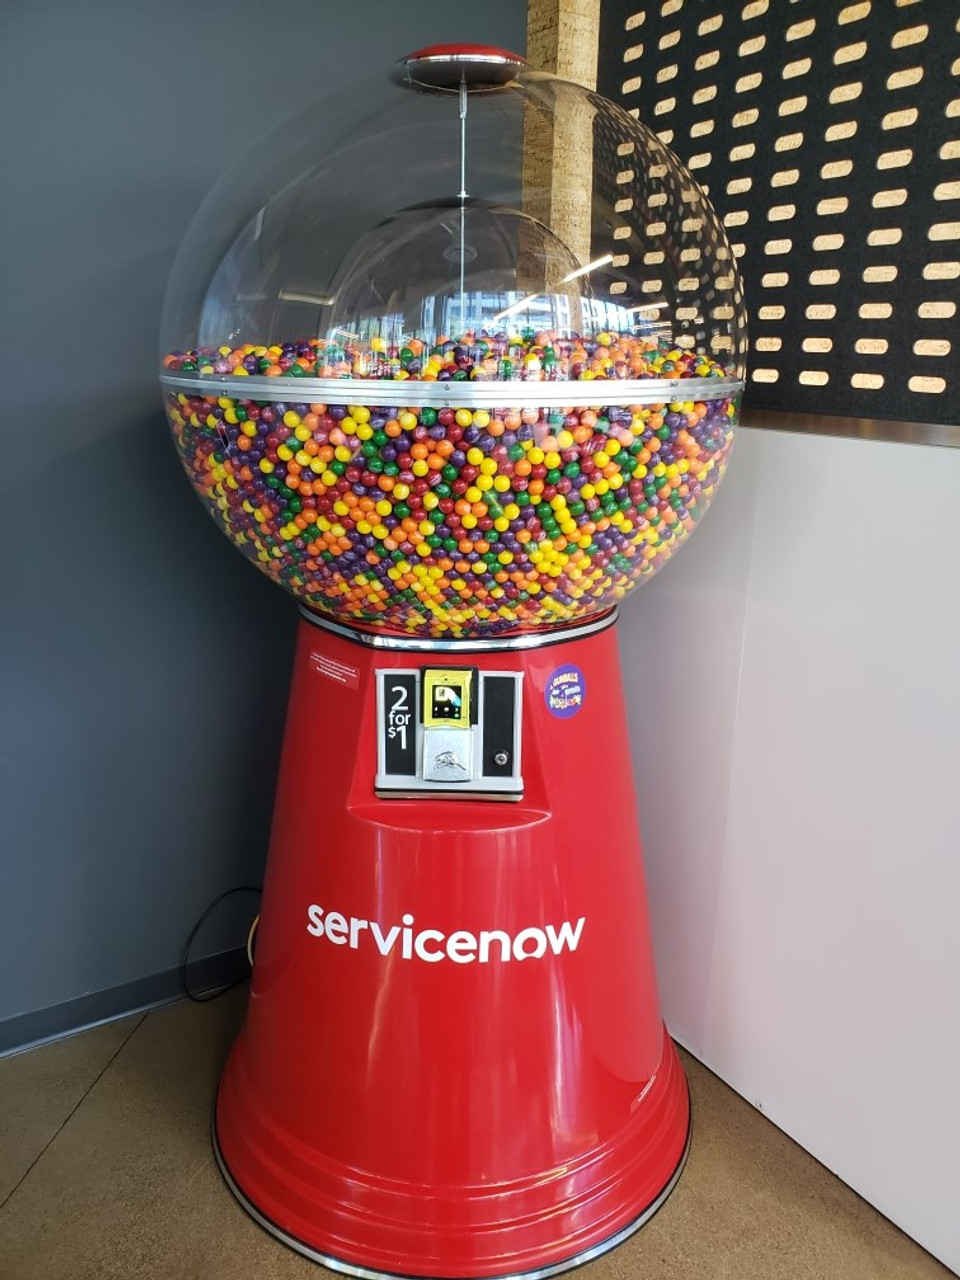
(144, 664)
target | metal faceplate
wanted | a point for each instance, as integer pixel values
(476, 760)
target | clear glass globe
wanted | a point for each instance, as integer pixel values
(464, 360)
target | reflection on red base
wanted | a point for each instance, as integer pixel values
(402, 1110)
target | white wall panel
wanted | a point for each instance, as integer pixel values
(681, 639)
(801, 805)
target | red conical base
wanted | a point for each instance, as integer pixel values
(453, 1062)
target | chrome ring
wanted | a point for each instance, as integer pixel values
(447, 395)
(489, 644)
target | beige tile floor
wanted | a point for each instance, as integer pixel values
(106, 1171)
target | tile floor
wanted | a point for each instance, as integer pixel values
(106, 1172)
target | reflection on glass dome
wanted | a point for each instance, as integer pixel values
(456, 267)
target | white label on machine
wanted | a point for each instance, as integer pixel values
(333, 669)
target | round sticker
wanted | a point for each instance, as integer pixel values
(565, 691)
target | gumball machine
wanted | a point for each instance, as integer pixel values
(457, 364)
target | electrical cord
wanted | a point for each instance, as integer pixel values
(185, 958)
(251, 946)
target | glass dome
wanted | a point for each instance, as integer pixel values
(466, 361)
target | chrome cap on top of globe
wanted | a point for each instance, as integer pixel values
(460, 357)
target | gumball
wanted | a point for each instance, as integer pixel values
(453, 520)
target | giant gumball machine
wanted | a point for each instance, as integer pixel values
(456, 363)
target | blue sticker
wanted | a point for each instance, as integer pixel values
(565, 692)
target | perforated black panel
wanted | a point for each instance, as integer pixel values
(828, 138)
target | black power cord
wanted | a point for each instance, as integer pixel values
(185, 958)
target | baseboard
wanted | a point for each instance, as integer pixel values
(28, 1030)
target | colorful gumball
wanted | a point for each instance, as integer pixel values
(445, 520)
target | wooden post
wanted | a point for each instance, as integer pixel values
(562, 37)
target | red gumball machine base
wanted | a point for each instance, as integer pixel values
(453, 1062)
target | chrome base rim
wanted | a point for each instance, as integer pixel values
(333, 1263)
(489, 644)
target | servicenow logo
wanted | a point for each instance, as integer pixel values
(432, 945)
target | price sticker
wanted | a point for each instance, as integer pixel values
(398, 724)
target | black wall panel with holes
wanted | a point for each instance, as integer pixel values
(828, 138)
